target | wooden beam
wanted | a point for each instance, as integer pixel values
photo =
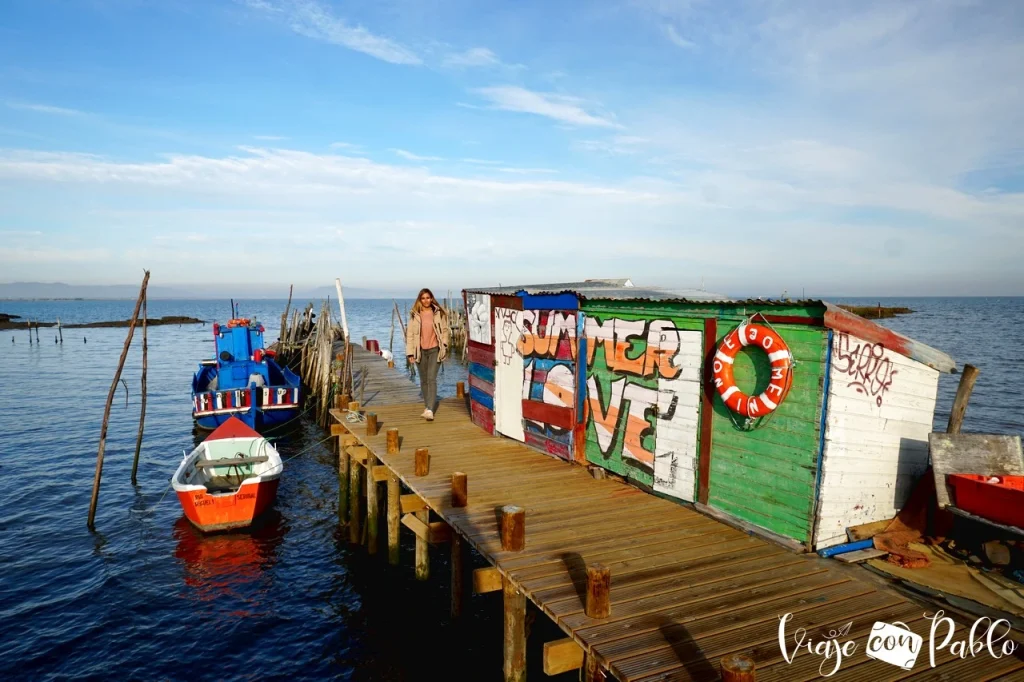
(486, 580)
(963, 394)
(515, 633)
(371, 423)
(422, 461)
(513, 528)
(458, 587)
(412, 503)
(866, 530)
(348, 440)
(338, 430)
(416, 525)
(343, 481)
(561, 656)
(707, 411)
(394, 507)
(358, 453)
(381, 473)
(460, 489)
(844, 321)
(440, 532)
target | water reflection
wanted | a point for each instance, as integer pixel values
(218, 565)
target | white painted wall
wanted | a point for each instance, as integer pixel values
(880, 410)
(675, 444)
(508, 373)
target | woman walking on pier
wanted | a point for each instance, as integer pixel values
(426, 344)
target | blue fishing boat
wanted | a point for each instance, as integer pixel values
(244, 380)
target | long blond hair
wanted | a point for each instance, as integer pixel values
(418, 306)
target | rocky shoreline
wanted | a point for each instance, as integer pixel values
(8, 322)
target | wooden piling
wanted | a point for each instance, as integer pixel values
(392, 442)
(591, 671)
(110, 399)
(513, 528)
(460, 389)
(394, 519)
(142, 409)
(371, 423)
(422, 461)
(460, 489)
(599, 580)
(60, 331)
(343, 480)
(354, 511)
(354, 406)
(515, 632)
(344, 400)
(737, 668)
(372, 507)
(963, 394)
(422, 548)
(458, 574)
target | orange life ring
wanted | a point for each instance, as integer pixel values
(238, 322)
(781, 359)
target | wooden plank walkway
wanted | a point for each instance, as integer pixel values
(685, 589)
(384, 385)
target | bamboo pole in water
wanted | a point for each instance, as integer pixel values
(142, 413)
(110, 400)
(284, 316)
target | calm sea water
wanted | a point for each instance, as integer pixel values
(147, 597)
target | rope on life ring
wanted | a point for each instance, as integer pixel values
(781, 359)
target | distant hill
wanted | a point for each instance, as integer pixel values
(60, 290)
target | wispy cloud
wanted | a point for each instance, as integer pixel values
(46, 109)
(415, 157)
(314, 20)
(558, 107)
(345, 145)
(617, 145)
(473, 57)
(677, 39)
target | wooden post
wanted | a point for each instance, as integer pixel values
(392, 435)
(963, 394)
(460, 489)
(515, 633)
(354, 406)
(372, 507)
(591, 671)
(142, 409)
(422, 461)
(513, 528)
(343, 464)
(737, 668)
(354, 530)
(341, 306)
(422, 549)
(599, 580)
(458, 580)
(344, 400)
(394, 520)
(110, 400)
(371, 423)
(59, 331)
(391, 364)
(460, 389)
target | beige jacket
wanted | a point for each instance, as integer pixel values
(412, 337)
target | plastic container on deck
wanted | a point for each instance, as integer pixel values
(1001, 501)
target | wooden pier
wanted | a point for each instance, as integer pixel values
(643, 588)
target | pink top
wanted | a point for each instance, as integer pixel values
(428, 337)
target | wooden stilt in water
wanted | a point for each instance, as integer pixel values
(60, 331)
(394, 519)
(354, 530)
(422, 549)
(458, 574)
(343, 476)
(515, 632)
(599, 580)
(142, 409)
(371, 423)
(392, 435)
(513, 528)
(460, 389)
(372, 507)
(460, 489)
(422, 461)
(738, 668)
(591, 671)
(963, 394)
(110, 400)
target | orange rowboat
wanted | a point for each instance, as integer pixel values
(229, 479)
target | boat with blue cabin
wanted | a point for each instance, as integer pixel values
(244, 380)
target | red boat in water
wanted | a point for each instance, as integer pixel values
(229, 479)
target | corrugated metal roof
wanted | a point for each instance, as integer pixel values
(618, 289)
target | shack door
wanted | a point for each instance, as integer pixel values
(508, 373)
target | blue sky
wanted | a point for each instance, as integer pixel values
(841, 148)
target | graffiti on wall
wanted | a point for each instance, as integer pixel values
(548, 347)
(479, 306)
(643, 394)
(867, 366)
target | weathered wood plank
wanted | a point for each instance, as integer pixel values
(561, 656)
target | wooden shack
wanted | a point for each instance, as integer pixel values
(604, 373)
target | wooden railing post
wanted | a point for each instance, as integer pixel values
(738, 668)
(422, 461)
(513, 528)
(599, 580)
(392, 436)
(460, 489)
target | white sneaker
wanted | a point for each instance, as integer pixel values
(424, 413)
(429, 415)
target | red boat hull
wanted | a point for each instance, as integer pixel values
(221, 512)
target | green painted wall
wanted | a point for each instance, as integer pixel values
(766, 475)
